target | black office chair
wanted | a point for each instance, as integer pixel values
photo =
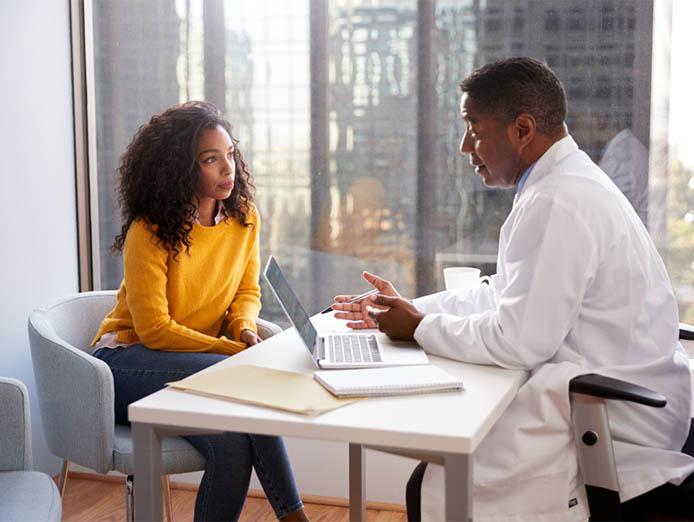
(596, 455)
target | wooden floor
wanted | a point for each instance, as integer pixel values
(88, 500)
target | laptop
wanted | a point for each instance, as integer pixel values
(340, 350)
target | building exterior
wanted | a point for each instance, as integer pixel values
(368, 198)
(131, 86)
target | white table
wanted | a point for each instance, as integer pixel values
(445, 428)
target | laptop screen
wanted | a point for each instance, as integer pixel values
(291, 305)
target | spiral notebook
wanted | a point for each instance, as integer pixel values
(396, 380)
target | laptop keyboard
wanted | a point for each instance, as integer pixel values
(353, 348)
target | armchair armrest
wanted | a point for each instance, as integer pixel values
(593, 439)
(266, 329)
(609, 388)
(15, 427)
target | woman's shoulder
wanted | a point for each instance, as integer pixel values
(141, 226)
(140, 232)
(251, 217)
(253, 214)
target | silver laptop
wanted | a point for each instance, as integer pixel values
(340, 350)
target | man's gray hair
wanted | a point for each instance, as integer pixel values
(518, 85)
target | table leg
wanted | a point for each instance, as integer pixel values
(458, 478)
(147, 447)
(357, 485)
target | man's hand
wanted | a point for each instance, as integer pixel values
(357, 313)
(249, 337)
(399, 321)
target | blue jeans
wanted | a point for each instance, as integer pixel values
(139, 371)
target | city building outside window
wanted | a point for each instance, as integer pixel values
(326, 100)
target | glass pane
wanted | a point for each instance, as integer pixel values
(137, 49)
(624, 65)
(372, 146)
(677, 175)
(601, 52)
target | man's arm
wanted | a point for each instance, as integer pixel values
(462, 302)
(465, 302)
(549, 260)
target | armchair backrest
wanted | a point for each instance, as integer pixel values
(75, 390)
(15, 428)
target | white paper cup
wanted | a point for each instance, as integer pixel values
(461, 277)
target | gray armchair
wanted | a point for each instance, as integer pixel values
(24, 494)
(76, 394)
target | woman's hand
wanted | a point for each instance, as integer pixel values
(357, 313)
(249, 337)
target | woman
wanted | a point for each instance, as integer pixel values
(190, 295)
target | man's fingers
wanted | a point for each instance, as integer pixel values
(343, 298)
(375, 306)
(386, 300)
(347, 307)
(356, 307)
(375, 281)
(349, 316)
(373, 313)
(359, 325)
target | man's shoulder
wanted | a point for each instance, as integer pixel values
(583, 194)
(576, 171)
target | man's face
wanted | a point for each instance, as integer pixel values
(489, 141)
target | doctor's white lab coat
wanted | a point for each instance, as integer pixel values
(579, 288)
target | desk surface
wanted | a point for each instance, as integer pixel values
(454, 422)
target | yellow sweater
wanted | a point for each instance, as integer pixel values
(180, 304)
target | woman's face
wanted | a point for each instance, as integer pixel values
(215, 157)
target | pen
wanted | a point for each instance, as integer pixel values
(356, 299)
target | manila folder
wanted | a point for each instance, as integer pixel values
(279, 389)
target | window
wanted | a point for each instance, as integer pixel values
(360, 208)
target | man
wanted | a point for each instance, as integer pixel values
(625, 161)
(579, 288)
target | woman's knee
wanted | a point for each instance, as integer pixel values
(193, 362)
(269, 450)
(225, 449)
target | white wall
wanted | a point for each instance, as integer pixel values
(37, 194)
(321, 468)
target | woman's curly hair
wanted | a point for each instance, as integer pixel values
(159, 175)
